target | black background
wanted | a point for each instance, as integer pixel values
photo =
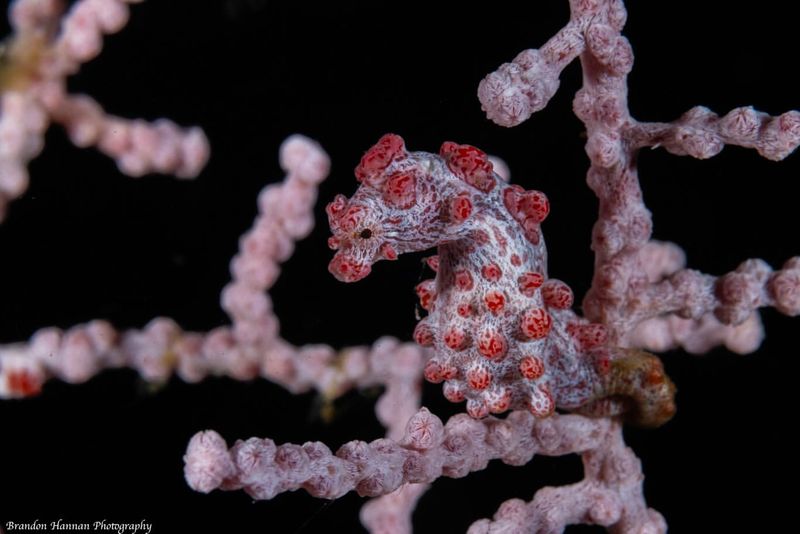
(86, 242)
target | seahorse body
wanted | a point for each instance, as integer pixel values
(503, 333)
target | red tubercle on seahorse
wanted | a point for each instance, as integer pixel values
(423, 334)
(351, 217)
(531, 367)
(495, 301)
(426, 291)
(492, 344)
(528, 208)
(557, 294)
(477, 407)
(454, 391)
(334, 209)
(400, 190)
(470, 164)
(463, 280)
(491, 272)
(541, 402)
(479, 376)
(498, 399)
(535, 323)
(460, 207)
(388, 148)
(465, 309)
(588, 335)
(456, 338)
(388, 252)
(348, 269)
(522, 204)
(433, 262)
(529, 282)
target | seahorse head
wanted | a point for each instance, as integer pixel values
(407, 201)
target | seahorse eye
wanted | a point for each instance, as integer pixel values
(366, 233)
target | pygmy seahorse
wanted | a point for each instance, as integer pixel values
(503, 334)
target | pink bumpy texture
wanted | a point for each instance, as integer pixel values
(503, 333)
(46, 48)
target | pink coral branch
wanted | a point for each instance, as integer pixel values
(610, 495)
(251, 346)
(701, 133)
(44, 50)
(732, 297)
(520, 88)
(392, 513)
(697, 336)
(662, 324)
(243, 351)
(623, 293)
(516, 90)
(686, 308)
